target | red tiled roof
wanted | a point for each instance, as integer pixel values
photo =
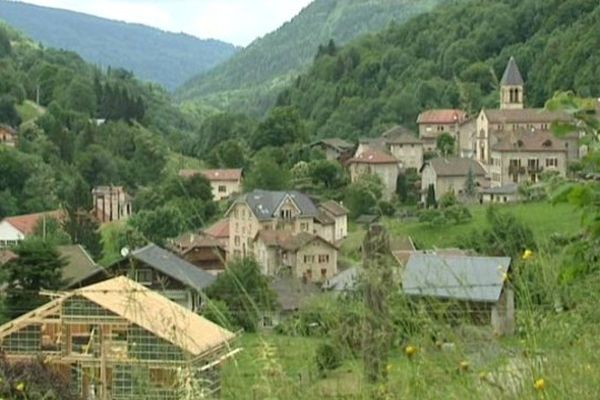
(445, 116)
(26, 223)
(372, 156)
(219, 230)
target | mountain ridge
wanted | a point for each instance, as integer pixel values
(153, 54)
(271, 61)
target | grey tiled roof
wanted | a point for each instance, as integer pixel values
(173, 266)
(264, 203)
(336, 143)
(79, 264)
(455, 277)
(345, 280)
(453, 166)
(512, 75)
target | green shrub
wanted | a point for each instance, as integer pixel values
(327, 358)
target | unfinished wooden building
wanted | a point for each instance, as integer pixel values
(118, 340)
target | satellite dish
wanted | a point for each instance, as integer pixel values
(124, 251)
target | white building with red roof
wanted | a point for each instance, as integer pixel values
(224, 182)
(17, 228)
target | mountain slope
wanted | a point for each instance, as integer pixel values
(269, 62)
(154, 55)
(451, 57)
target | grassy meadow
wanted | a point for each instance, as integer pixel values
(553, 354)
(543, 218)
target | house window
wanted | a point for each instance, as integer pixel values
(323, 258)
(222, 189)
(323, 273)
(236, 240)
(308, 275)
(552, 162)
(286, 214)
(308, 259)
(144, 276)
(304, 226)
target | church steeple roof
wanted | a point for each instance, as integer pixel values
(512, 75)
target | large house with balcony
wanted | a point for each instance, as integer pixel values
(267, 210)
(278, 228)
(524, 159)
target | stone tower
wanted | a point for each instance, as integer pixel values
(512, 87)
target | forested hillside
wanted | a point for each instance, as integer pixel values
(166, 58)
(248, 81)
(451, 57)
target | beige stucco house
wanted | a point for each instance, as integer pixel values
(449, 175)
(267, 210)
(377, 162)
(339, 214)
(306, 256)
(224, 182)
(111, 203)
(434, 123)
(398, 141)
(526, 157)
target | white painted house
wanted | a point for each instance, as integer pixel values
(15, 229)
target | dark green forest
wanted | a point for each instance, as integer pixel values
(165, 58)
(91, 128)
(249, 81)
(451, 57)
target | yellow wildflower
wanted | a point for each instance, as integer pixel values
(539, 384)
(20, 387)
(410, 351)
(504, 277)
(483, 375)
(463, 366)
(388, 368)
(527, 254)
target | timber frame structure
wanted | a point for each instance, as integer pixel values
(118, 340)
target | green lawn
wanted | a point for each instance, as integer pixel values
(543, 218)
(177, 162)
(29, 111)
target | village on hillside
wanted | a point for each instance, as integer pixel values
(147, 320)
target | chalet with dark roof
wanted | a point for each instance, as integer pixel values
(335, 149)
(161, 271)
